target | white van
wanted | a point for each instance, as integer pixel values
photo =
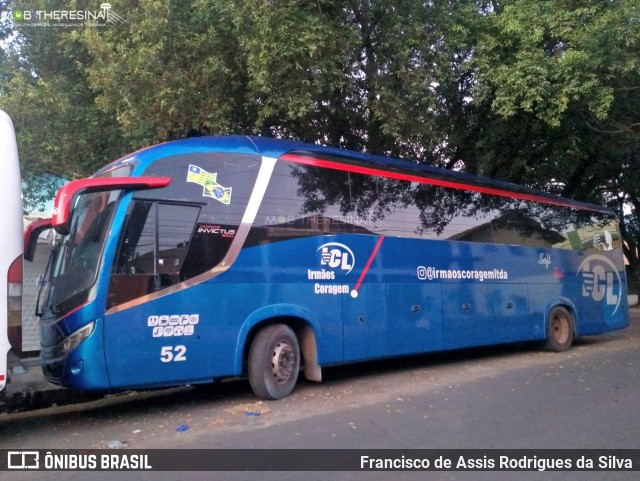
(11, 243)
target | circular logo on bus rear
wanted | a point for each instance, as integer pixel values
(601, 281)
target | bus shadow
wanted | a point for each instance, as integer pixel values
(430, 360)
(66, 402)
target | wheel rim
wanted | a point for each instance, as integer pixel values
(560, 329)
(283, 362)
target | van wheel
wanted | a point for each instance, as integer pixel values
(274, 362)
(560, 330)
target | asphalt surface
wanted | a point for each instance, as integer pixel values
(503, 397)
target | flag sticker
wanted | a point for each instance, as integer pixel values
(210, 188)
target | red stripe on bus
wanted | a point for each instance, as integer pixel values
(359, 169)
(366, 267)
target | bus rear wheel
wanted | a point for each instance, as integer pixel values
(274, 362)
(560, 330)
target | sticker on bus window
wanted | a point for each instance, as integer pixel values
(210, 186)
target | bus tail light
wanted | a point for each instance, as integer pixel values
(14, 281)
(14, 304)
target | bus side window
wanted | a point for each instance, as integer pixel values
(175, 229)
(151, 249)
(208, 246)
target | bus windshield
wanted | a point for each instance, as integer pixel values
(75, 261)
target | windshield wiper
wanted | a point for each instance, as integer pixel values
(45, 280)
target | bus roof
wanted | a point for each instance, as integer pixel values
(341, 159)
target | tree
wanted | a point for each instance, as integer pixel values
(564, 74)
(362, 75)
(61, 131)
(539, 92)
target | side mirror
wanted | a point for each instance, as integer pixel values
(65, 198)
(31, 234)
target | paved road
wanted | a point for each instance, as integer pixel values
(507, 397)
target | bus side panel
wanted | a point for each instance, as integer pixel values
(414, 318)
(191, 335)
(594, 284)
(365, 323)
(604, 308)
(414, 297)
(357, 323)
(483, 314)
(177, 339)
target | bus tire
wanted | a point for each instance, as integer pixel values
(560, 330)
(274, 362)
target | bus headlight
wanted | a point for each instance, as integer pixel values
(75, 339)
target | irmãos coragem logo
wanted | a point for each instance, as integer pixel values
(601, 281)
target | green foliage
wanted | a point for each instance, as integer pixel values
(61, 131)
(541, 92)
(543, 56)
(562, 83)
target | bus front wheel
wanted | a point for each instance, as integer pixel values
(274, 362)
(560, 330)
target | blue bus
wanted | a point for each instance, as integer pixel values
(218, 257)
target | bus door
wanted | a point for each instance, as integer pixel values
(364, 309)
(357, 324)
(149, 259)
